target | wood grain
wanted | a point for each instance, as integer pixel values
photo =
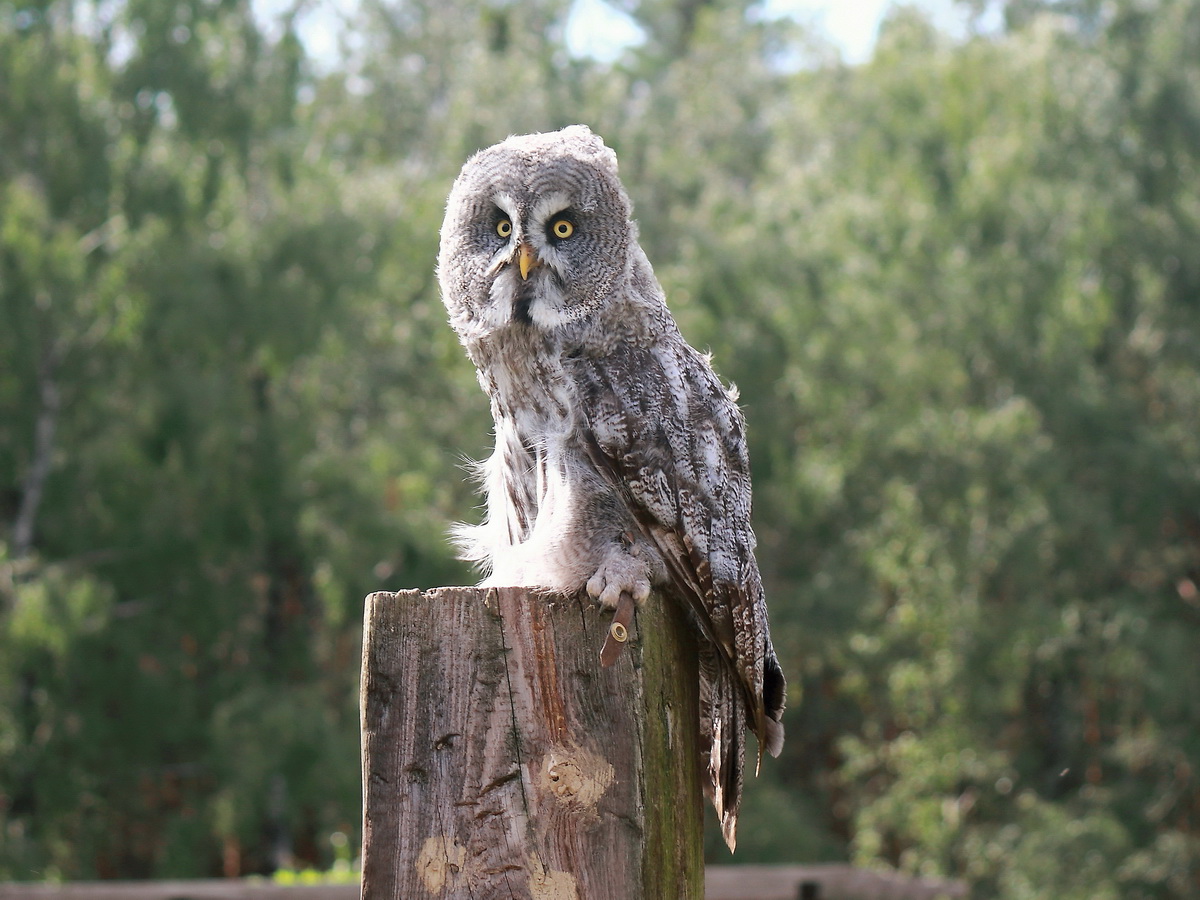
(500, 759)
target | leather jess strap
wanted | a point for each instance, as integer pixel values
(618, 630)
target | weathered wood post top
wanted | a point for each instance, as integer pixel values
(500, 759)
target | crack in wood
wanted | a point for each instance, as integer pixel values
(512, 705)
(499, 782)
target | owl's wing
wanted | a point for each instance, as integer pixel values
(665, 434)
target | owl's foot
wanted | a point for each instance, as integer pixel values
(622, 570)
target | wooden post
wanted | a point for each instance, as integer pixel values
(501, 760)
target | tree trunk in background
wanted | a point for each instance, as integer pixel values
(50, 400)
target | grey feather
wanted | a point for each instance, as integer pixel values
(620, 460)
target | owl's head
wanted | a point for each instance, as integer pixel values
(537, 233)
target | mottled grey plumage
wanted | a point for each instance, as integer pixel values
(620, 460)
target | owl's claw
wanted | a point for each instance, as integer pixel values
(612, 578)
(607, 589)
(621, 583)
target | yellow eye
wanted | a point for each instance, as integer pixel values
(504, 228)
(562, 229)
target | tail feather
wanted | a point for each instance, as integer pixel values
(774, 690)
(723, 739)
(725, 713)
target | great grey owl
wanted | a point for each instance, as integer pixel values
(620, 461)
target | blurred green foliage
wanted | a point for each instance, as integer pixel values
(958, 285)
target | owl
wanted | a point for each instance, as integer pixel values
(620, 459)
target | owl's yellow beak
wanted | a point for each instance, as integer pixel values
(526, 261)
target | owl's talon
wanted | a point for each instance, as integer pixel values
(620, 572)
(595, 586)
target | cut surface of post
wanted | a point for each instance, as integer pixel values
(500, 759)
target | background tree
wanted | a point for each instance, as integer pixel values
(956, 284)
